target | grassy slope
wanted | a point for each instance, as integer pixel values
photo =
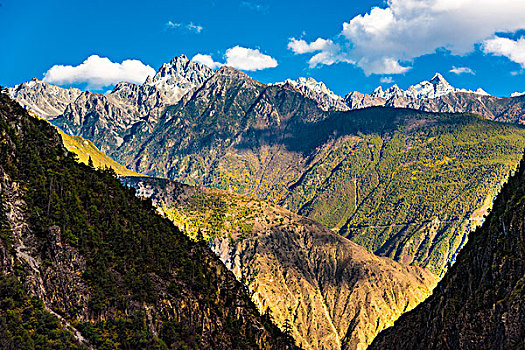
(85, 149)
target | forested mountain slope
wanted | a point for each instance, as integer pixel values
(404, 184)
(480, 304)
(101, 260)
(330, 292)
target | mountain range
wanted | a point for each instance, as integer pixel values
(406, 174)
(275, 143)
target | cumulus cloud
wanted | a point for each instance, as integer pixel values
(386, 40)
(241, 58)
(461, 70)
(99, 72)
(248, 59)
(206, 60)
(191, 27)
(386, 80)
(512, 49)
(328, 52)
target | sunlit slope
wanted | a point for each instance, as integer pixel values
(84, 149)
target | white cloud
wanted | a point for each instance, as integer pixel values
(206, 60)
(385, 40)
(240, 58)
(191, 27)
(99, 72)
(461, 70)
(194, 28)
(301, 46)
(512, 49)
(171, 24)
(386, 80)
(248, 59)
(328, 52)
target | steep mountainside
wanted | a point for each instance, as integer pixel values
(86, 150)
(363, 173)
(100, 260)
(332, 293)
(480, 304)
(317, 91)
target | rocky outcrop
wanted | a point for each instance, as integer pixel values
(329, 292)
(316, 90)
(42, 98)
(480, 303)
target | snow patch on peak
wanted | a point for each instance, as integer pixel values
(179, 76)
(433, 88)
(517, 94)
(317, 91)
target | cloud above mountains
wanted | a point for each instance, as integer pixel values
(386, 40)
(512, 49)
(241, 58)
(99, 72)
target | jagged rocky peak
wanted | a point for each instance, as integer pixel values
(427, 89)
(437, 86)
(393, 91)
(179, 76)
(319, 92)
(180, 72)
(42, 98)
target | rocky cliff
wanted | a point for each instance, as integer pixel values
(329, 292)
(480, 304)
(42, 98)
(102, 263)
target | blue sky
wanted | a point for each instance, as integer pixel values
(402, 41)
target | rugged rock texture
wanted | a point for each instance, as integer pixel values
(480, 304)
(504, 109)
(114, 272)
(333, 293)
(316, 90)
(44, 99)
(178, 77)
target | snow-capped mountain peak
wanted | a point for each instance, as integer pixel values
(433, 88)
(317, 91)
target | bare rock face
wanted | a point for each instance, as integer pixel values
(42, 98)
(327, 291)
(480, 304)
(326, 99)
(178, 77)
